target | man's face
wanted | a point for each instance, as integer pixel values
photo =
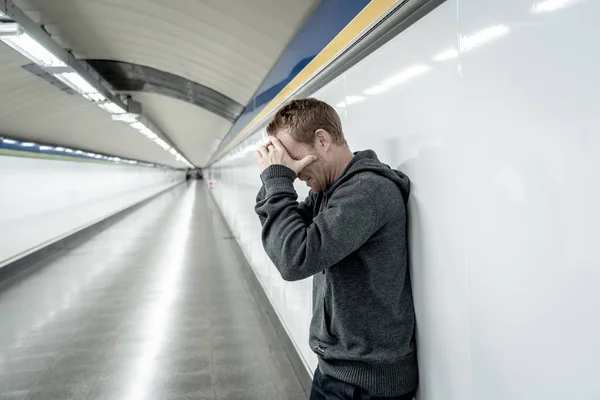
(315, 174)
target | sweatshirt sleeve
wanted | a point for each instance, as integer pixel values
(300, 249)
(305, 208)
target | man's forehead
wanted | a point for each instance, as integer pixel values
(285, 138)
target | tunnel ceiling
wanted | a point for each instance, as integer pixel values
(205, 60)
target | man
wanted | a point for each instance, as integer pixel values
(350, 235)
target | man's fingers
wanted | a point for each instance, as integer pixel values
(277, 143)
(306, 161)
(263, 151)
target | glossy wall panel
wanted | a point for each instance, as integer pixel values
(490, 109)
(43, 200)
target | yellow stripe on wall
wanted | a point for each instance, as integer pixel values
(369, 15)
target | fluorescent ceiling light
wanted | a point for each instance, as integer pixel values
(162, 143)
(10, 29)
(27, 144)
(59, 149)
(45, 148)
(173, 151)
(138, 126)
(551, 5)
(12, 34)
(111, 108)
(127, 117)
(69, 150)
(146, 131)
(96, 97)
(80, 85)
(341, 104)
(9, 141)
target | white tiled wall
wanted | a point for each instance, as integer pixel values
(491, 109)
(42, 200)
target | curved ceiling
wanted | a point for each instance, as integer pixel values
(33, 109)
(124, 77)
(227, 46)
(189, 126)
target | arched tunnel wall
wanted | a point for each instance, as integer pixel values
(44, 200)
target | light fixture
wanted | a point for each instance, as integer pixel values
(27, 144)
(127, 118)
(162, 144)
(12, 34)
(149, 134)
(95, 97)
(9, 141)
(144, 130)
(111, 108)
(138, 126)
(80, 85)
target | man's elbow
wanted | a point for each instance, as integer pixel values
(289, 275)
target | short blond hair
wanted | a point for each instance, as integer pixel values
(302, 117)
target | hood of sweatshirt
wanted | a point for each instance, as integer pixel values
(367, 160)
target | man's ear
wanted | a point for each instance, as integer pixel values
(323, 139)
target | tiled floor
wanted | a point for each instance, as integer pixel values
(152, 307)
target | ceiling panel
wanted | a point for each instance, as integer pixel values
(227, 45)
(33, 109)
(195, 131)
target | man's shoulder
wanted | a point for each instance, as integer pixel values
(374, 184)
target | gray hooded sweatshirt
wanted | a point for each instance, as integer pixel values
(352, 240)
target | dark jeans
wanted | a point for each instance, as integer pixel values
(327, 388)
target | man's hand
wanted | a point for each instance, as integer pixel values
(274, 153)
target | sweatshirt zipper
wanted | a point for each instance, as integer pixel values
(320, 350)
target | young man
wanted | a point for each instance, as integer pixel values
(350, 236)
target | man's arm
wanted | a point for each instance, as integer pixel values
(299, 249)
(305, 208)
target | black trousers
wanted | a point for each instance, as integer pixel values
(327, 388)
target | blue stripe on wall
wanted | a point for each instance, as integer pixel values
(328, 19)
(26, 148)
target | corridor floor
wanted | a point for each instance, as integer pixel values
(152, 306)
